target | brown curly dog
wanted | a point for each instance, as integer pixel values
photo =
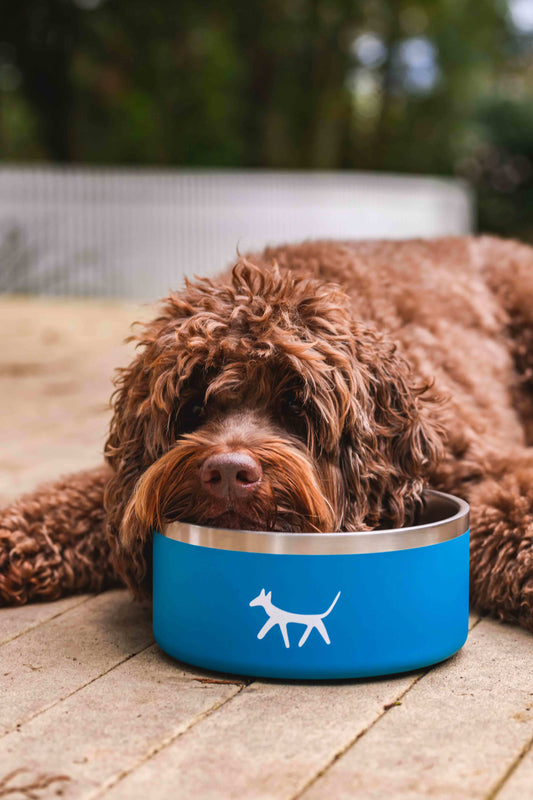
(315, 387)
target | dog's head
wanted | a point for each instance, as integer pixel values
(261, 403)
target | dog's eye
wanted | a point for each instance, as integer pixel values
(189, 417)
(294, 404)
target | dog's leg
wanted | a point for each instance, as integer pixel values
(306, 635)
(321, 628)
(266, 627)
(53, 542)
(283, 629)
(501, 554)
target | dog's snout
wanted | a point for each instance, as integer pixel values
(233, 473)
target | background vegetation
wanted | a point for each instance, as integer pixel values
(421, 86)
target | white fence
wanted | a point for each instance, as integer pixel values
(136, 233)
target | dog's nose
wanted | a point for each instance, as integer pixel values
(233, 473)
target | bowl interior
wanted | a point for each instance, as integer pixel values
(443, 517)
(438, 507)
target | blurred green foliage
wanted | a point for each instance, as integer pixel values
(421, 86)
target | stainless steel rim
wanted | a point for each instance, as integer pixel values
(445, 517)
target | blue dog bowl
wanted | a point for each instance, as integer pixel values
(315, 606)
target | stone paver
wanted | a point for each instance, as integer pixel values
(56, 658)
(519, 784)
(266, 743)
(56, 364)
(18, 620)
(455, 733)
(114, 723)
(269, 742)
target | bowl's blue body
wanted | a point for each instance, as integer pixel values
(396, 611)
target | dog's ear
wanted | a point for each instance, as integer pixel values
(144, 426)
(391, 440)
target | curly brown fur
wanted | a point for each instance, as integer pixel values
(502, 539)
(352, 374)
(53, 542)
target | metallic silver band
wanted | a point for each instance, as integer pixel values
(444, 517)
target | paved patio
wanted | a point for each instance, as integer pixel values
(90, 707)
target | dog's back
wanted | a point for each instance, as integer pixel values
(446, 304)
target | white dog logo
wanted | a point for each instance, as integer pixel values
(277, 616)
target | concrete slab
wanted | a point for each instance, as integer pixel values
(113, 724)
(517, 784)
(18, 620)
(56, 366)
(455, 733)
(63, 654)
(267, 743)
